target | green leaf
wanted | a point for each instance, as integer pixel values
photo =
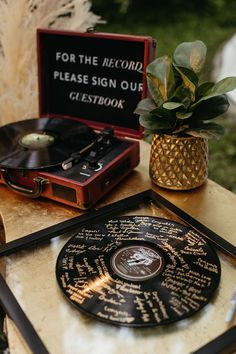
(183, 115)
(190, 74)
(154, 91)
(211, 108)
(220, 88)
(145, 106)
(187, 82)
(154, 124)
(206, 130)
(160, 79)
(204, 88)
(225, 85)
(191, 55)
(183, 95)
(161, 112)
(172, 105)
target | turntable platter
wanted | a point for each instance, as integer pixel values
(42, 143)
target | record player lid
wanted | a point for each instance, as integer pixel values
(95, 77)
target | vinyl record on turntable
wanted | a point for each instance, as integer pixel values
(138, 271)
(42, 142)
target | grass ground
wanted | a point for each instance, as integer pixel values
(222, 153)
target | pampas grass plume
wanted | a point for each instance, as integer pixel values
(19, 20)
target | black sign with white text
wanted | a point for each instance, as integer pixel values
(92, 77)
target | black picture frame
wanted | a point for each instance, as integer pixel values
(222, 344)
(94, 215)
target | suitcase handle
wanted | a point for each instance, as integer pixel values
(28, 192)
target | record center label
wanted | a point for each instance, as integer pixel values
(37, 140)
(137, 262)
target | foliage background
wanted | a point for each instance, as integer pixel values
(163, 11)
(171, 22)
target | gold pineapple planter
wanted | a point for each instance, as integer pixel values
(182, 107)
(178, 163)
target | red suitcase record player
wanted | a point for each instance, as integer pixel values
(80, 147)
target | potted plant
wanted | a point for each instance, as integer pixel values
(179, 114)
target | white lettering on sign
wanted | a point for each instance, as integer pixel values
(103, 81)
(131, 85)
(97, 100)
(70, 77)
(65, 57)
(78, 76)
(122, 64)
(72, 58)
(87, 59)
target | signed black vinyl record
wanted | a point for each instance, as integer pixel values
(42, 142)
(138, 271)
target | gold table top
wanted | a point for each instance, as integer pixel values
(31, 274)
